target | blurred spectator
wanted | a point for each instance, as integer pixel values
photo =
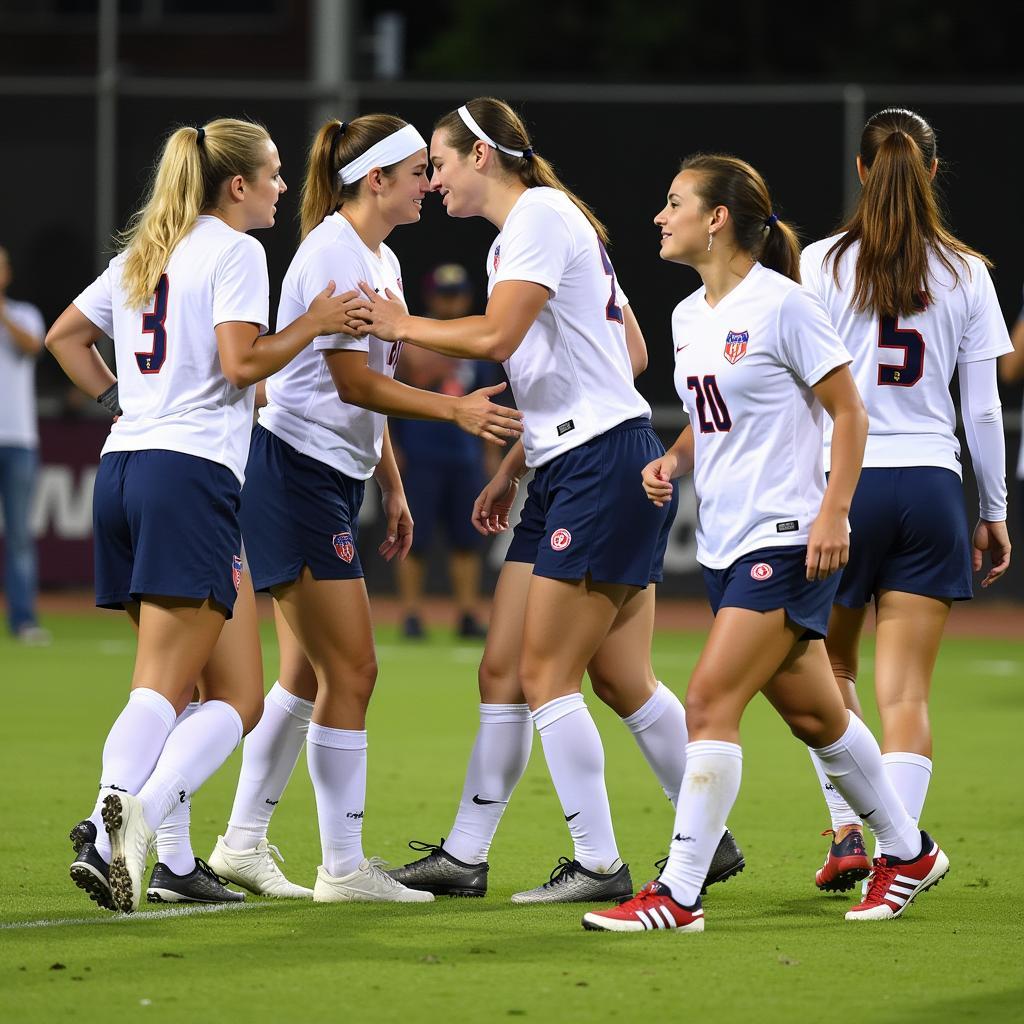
(21, 340)
(442, 467)
(1011, 369)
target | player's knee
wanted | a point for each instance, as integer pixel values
(498, 681)
(809, 728)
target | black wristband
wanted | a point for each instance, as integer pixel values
(109, 400)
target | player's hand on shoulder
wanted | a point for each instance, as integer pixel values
(493, 504)
(338, 314)
(657, 479)
(995, 539)
(476, 414)
(384, 313)
(828, 546)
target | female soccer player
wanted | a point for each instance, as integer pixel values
(186, 304)
(758, 365)
(311, 455)
(911, 303)
(571, 592)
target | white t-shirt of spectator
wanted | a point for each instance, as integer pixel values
(303, 407)
(744, 370)
(18, 427)
(571, 375)
(171, 386)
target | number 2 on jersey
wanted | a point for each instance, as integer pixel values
(708, 397)
(153, 323)
(612, 311)
(909, 372)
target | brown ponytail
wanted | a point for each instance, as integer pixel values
(506, 127)
(336, 144)
(730, 182)
(898, 221)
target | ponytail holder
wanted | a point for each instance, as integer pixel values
(200, 136)
(337, 137)
(528, 153)
(773, 218)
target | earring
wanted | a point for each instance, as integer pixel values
(711, 238)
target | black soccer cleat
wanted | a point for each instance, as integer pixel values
(440, 873)
(82, 833)
(201, 885)
(571, 882)
(727, 861)
(91, 873)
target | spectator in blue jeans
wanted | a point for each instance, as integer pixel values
(21, 340)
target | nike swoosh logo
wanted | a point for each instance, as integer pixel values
(679, 348)
(477, 799)
(868, 815)
(569, 817)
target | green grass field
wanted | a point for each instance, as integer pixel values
(774, 949)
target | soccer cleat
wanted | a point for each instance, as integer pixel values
(369, 883)
(256, 871)
(91, 873)
(570, 882)
(847, 860)
(440, 873)
(651, 909)
(81, 834)
(470, 629)
(726, 862)
(412, 628)
(130, 839)
(894, 884)
(200, 885)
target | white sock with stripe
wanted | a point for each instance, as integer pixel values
(337, 766)
(173, 837)
(500, 754)
(659, 728)
(710, 787)
(854, 764)
(839, 810)
(575, 757)
(910, 775)
(269, 756)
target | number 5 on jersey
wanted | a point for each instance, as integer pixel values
(153, 323)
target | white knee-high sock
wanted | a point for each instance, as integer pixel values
(131, 751)
(910, 775)
(269, 756)
(500, 754)
(173, 839)
(575, 757)
(839, 810)
(659, 728)
(710, 787)
(192, 753)
(337, 766)
(854, 765)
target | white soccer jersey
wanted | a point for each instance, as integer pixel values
(744, 370)
(571, 375)
(303, 407)
(170, 383)
(903, 367)
(18, 427)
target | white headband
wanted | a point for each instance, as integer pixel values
(471, 124)
(396, 147)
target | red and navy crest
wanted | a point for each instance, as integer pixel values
(344, 548)
(736, 345)
(497, 257)
(236, 570)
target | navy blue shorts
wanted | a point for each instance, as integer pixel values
(586, 513)
(909, 533)
(165, 525)
(772, 578)
(443, 491)
(297, 511)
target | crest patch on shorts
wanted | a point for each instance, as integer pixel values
(761, 571)
(560, 540)
(344, 547)
(236, 571)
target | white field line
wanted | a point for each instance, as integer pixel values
(998, 668)
(146, 915)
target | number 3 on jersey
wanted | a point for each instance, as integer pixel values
(612, 310)
(153, 323)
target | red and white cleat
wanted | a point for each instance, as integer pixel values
(894, 884)
(651, 909)
(847, 861)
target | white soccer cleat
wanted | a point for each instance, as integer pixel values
(256, 870)
(369, 883)
(130, 840)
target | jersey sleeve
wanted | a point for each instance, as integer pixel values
(986, 335)
(811, 271)
(241, 285)
(97, 302)
(537, 247)
(809, 344)
(340, 265)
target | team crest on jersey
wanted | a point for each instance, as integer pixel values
(736, 345)
(344, 548)
(236, 571)
(560, 540)
(497, 256)
(761, 571)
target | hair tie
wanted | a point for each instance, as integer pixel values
(200, 136)
(773, 218)
(528, 153)
(340, 130)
